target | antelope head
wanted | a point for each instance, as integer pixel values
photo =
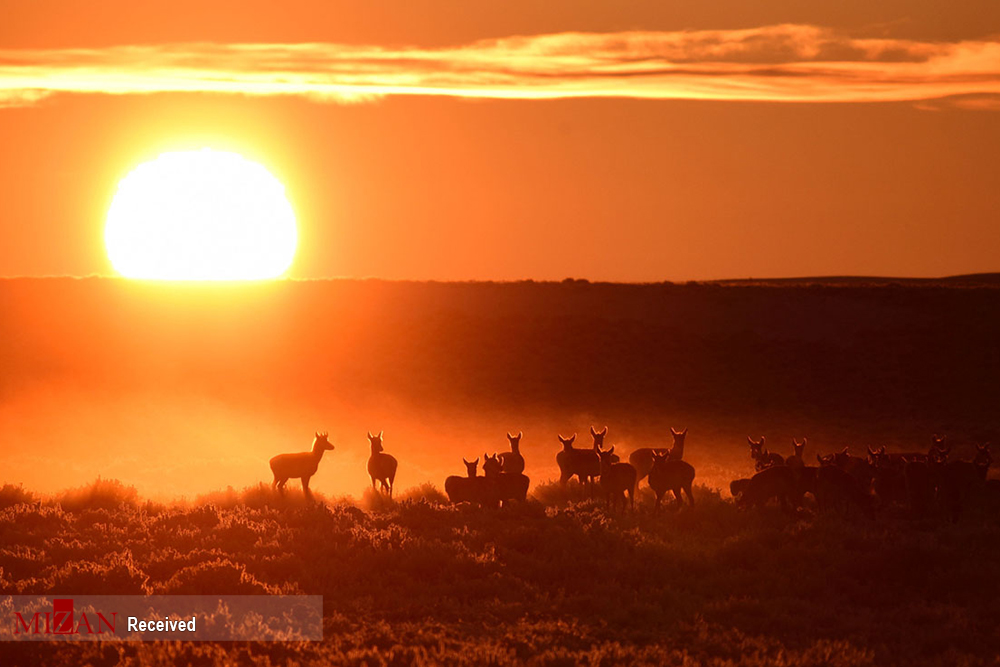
(376, 442)
(598, 436)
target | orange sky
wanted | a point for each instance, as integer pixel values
(614, 141)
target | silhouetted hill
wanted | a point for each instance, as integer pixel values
(889, 352)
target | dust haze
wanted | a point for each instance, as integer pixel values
(185, 389)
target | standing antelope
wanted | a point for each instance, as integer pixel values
(617, 479)
(584, 463)
(670, 475)
(512, 461)
(501, 487)
(299, 465)
(466, 489)
(642, 458)
(763, 459)
(381, 466)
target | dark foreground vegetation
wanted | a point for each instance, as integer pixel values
(552, 581)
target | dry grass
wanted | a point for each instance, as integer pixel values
(554, 581)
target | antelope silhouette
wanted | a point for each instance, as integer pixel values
(583, 463)
(512, 461)
(798, 448)
(670, 475)
(381, 466)
(299, 465)
(762, 458)
(468, 489)
(642, 458)
(617, 479)
(501, 487)
(776, 482)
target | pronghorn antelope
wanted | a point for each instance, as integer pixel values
(299, 465)
(468, 489)
(583, 463)
(777, 482)
(381, 466)
(599, 443)
(798, 448)
(617, 479)
(669, 475)
(642, 458)
(763, 458)
(512, 461)
(501, 487)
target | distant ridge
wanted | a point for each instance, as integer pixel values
(965, 280)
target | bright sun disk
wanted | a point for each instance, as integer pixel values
(200, 215)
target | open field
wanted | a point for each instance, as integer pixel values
(177, 392)
(547, 584)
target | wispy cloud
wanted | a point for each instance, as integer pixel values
(784, 63)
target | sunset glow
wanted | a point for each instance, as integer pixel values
(200, 215)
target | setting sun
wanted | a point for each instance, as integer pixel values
(200, 215)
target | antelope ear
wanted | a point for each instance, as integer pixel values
(750, 440)
(371, 437)
(380, 434)
(592, 431)
(871, 451)
(464, 461)
(519, 434)
(611, 451)
(605, 431)
(476, 462)
(509, 436)
(317, 434)
(685, 431)
(572, 437)
(673, 432)
(844, 451)
(804, 441)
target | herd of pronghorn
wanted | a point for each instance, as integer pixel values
(921, 482)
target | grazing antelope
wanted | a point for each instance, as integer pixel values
(763, 459)
(512, 461)
(584, 463)
(798, 448)
(838, 490)
(668, 475)
(617, 479)
(381, 466)
(776, 482)
(466, 489)
(642, 459)
(501, 487)
(737, 487)
(299, 465)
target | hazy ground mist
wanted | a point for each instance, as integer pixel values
(183, 389)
